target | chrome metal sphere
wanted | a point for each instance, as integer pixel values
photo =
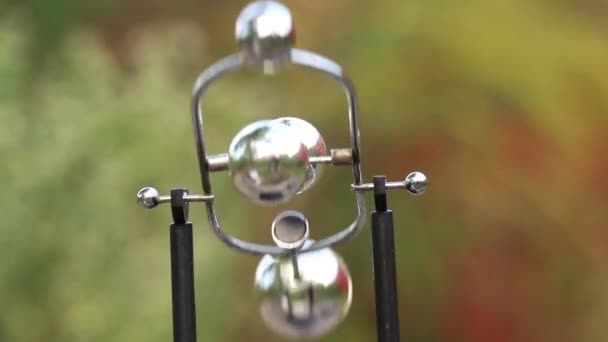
(306, 302)
(416, 183)
(314, 143)
(268, 162)
(265, 32)
(147, 198)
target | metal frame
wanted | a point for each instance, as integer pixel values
(268, 51)
(307, 60)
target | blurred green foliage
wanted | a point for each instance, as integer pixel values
(502, 104)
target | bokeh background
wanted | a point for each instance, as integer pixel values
(503, 104)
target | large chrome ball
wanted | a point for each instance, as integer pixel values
(307, 301)
(314, 143)
(268, 162)
(265, 32)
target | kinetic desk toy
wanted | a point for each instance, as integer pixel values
(305, 288)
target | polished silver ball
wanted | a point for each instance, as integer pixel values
(147, 198)
(265, 32)
(314, 143)
(416, 183)
(268, 162)
(307, 301)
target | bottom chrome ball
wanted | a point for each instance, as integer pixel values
(303, 299)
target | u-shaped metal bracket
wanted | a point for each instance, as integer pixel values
(305, 59)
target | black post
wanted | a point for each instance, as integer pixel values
(182, 270)
(385, 273)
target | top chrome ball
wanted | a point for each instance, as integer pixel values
(265, 32)
(268, 162)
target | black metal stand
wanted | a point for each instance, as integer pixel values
(385, 273)
(182, 270)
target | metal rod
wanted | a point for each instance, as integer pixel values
(182, 270)
(337, 156)
(187, 198)
(370, 186)
(385, 273)
(320, 160)
(415, 183)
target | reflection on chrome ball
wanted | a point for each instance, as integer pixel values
(307, 301)
(268, 162)
(314, 143)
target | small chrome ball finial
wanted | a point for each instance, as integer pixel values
(148, 198)
(314, 143)
(304, 296)
(265, 32)
(268, 162)
(416, 183)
